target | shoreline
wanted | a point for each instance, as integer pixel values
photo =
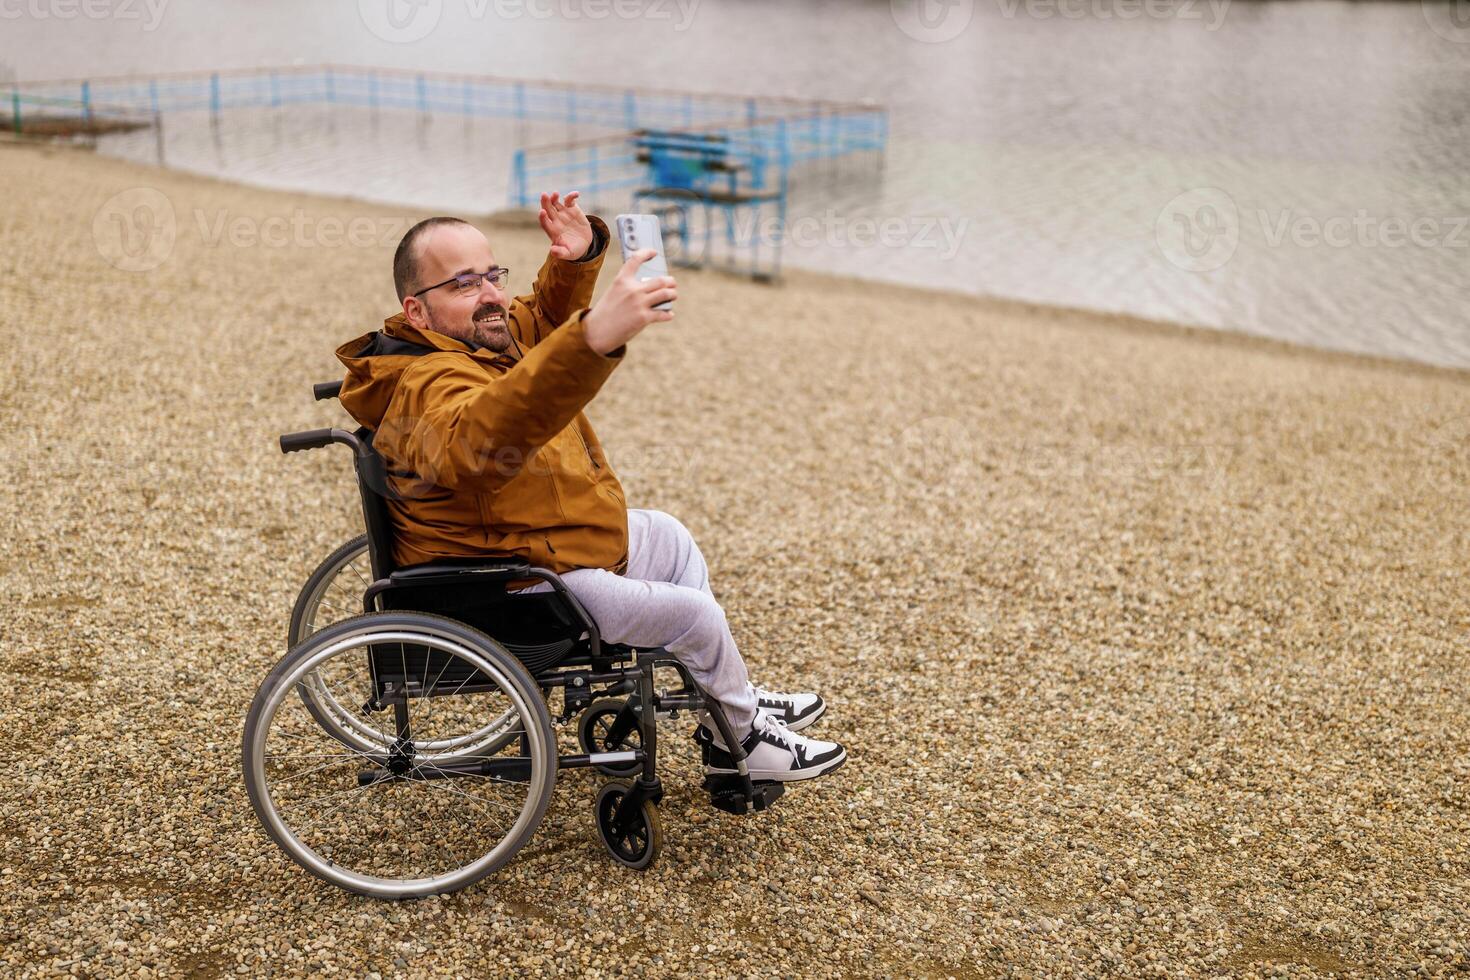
(1081, 316)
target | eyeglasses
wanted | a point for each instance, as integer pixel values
(470, 281)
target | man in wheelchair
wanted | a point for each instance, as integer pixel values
(477, 402)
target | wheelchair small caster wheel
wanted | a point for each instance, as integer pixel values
(638, 841)
(593, 729)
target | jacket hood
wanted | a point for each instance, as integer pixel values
(375, 361)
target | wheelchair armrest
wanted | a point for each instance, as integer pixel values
(442, 573)
(504, 569)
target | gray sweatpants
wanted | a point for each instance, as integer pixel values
(664, 600)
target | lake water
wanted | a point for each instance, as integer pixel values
(1296, 170)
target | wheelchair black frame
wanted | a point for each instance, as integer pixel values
(577, 673)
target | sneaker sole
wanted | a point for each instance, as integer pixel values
(786, 776)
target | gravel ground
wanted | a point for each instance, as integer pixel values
(1147, 643)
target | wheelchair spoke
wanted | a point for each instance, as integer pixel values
(357, 568)
(349, 593)
(318, 768)
(324, 604)
(436, 784)
(472, 775)
(296, 804)
(360, 713)
(353, 600)
(443, 784)
(280, 756)
(317, 739)
(455, 793)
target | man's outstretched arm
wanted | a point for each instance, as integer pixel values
(450, 427)
(565, 282)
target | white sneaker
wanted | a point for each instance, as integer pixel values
(773, 753)
(795, 711)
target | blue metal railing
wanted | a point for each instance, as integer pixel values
(763, 141)
(475, 95)
(705, 178)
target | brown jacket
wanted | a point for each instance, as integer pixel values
(491, 452)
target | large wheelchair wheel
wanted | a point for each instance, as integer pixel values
(331, 594)
(394, 820)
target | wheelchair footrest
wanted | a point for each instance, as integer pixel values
(728, 793)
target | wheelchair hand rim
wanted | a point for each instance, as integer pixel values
(275, 691)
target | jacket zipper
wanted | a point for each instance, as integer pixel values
(548, 544)
(587, 449)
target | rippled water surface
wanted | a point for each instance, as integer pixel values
(1296, 170)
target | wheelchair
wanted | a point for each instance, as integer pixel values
(406, 746)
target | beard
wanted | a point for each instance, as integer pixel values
(492, 335)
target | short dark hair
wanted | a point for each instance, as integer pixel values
(406, 259)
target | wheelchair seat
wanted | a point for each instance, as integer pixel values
(544, 630)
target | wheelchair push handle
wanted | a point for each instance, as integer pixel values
(293, 442)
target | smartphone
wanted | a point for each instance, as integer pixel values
(638, 231)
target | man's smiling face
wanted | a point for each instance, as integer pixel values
(475, 316)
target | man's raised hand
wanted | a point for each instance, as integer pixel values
(565, 224)
(628, 306)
